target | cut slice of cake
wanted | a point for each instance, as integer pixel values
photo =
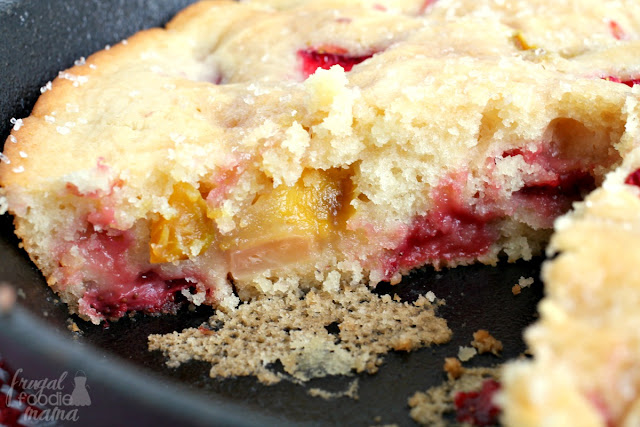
(211, 159)
(586, 345)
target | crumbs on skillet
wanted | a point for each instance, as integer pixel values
(311, 335)
(522, 283)
(351, 391)
(484, 342)
(433, 405)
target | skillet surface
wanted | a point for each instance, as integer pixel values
(39, 38)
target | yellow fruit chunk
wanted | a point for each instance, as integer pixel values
(313, 207)
(521, 43)
(286, 224)
(186, 234)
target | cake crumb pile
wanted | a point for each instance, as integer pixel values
(453, 367)
(522, 283)
(484, 342)
(312, 335)
(431, 406)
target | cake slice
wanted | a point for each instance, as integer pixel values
(245, 150)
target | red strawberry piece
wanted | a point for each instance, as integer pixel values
(633, 178)
(629, 82)
(477, 407)
(326, 57)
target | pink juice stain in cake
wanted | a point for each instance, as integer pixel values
(551, 192)
(148, 293)
(458, 230)
(477, 407)
(122, 287)
(426, 6)
(101, 171)
(102, 218)
(105, 254)
(550, 199)
(326, 57)
(601, 406)
(616, 31)
(450, 231)
(217, 191)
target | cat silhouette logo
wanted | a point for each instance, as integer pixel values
(80, 395)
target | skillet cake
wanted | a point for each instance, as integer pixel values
(256, 148)
(266, 147)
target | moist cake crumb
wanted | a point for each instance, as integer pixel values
(431, 296)
(73, 326)
(525, 282)
(466, 353)
(453, 368)
(522, 283)
(311, 335)
(484, 342)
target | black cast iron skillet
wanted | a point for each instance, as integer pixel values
(131, 386)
